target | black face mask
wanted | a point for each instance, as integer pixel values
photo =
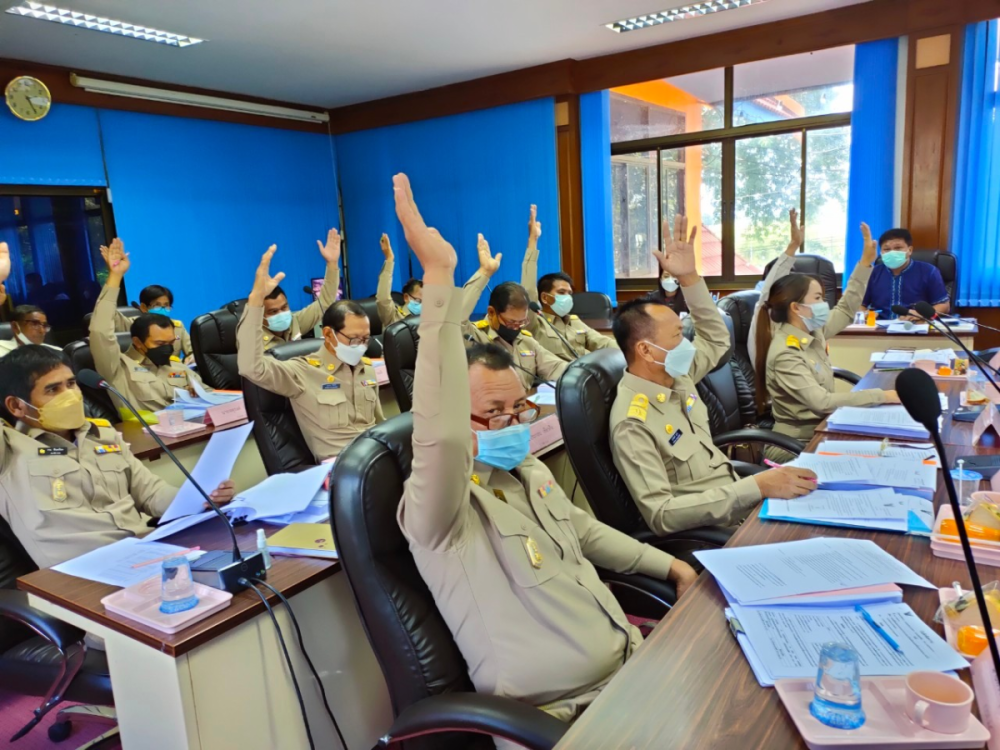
(160, 355)
(508, 334)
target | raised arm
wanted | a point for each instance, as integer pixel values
(529, 266)
(383, 292)
(783, 266)
(310, 316)
(267, 372)
(850, 302)
(473, 289)
(103, 342)
(435, 501)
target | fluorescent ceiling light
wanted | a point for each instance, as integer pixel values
(46, 12)
(113, 88)
(683, 13)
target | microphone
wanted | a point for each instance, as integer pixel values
(310, 291)
(537, 309)
(919, 395)
(212, 569)
(902, 310)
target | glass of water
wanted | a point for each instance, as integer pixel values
(177, 586)
(837, 694)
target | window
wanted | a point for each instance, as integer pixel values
(736, 148)
(54, 236)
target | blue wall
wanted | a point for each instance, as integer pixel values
(62, 149)
(471, 173)
(595, 168)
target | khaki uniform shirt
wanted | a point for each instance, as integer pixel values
(661, 440)
(533, 361)
(9, 345)
(333, 402)
(182, 342)
(388, 311)
(139, 380)
(508, 558)
(309, 317)
(63, 499)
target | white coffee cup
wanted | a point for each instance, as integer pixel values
(938, 702)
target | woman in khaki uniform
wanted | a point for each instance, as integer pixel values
(793, 364)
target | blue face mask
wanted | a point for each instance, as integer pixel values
(820, 316)
(504, 449)
(279, 322)
(894, 259)
(159, 310)
(414, 306)
(678, 361)
(562, 304)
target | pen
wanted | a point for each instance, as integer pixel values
(167, 557)
(877, 628)
(774, 465)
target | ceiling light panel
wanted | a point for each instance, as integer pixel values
(44, 12)
(683, 13)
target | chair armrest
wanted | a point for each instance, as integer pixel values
(851, 377)
(752, 435)
(744, 469)
(658, 594)
(479, 713)
(14, 606)
(708, 536)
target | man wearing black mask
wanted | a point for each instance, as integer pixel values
(149, 371)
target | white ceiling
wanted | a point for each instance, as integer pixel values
(336, 52)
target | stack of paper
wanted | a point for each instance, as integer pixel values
(279, 496)
(197, 405)
(876, 448)
(880, 509)
(884, 421)
(902, 358)
(904, 327)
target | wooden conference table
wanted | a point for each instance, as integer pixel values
(853, 347)
(689, 686)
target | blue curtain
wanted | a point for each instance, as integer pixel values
(471, 173)
(975, 227)
(595, 167)
(64, 148)
(197, 203)
(873, 144)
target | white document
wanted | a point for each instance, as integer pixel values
(836, 469)
(214, 398)
(755, 573)
(215, 465)
(185, 522)
(113, 563)
(896, 327)
(318, 511)
(892, 357)
(787, 641)
(874, 449)
(545, 395)
(279, 495)
(891, 420)
(902, 473)
(825, 505)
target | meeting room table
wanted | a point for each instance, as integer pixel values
(690, 686)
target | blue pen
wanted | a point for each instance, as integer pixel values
(877, 628)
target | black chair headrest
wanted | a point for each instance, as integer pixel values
(236, 307)
(687, 328)
(300, 348)
(370, 306)
(213, 338)
(6, 332)
(401, 341)
(820, 267)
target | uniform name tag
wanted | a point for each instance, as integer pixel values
(369, 382)
(689, 404)
(103, 449)
(140, 368)
(53, 451)
(676, 437)
(331, 386)
(527, 353)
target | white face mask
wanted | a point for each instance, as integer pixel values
(24, 339)
(349, 355)
(669, 284)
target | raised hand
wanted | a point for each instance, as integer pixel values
(677, 257)
(869, 251)
(432, 250)
(331, 250)
(487, 263)
(116, 257)
(798, 232)
(386, 247)
(534, 226)
(264, 283)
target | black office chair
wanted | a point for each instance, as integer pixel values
(594, 305)
(401, 341)
(433, 700)
(213, 339)
(45, 657)
(127, 310)
(6, 332)
(947, 264)
(818, 266)
(370, 306)
(97, 403)
(236, 307)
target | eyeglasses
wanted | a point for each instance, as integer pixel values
(516, 325)
(527, 415)
(38, 324)
(358, 341)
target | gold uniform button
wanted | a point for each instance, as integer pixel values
(329, 367)
(670, 429)
(661, 397)
(805, 341)
(330, 379)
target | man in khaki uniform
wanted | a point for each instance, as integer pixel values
(280, 325)
(660, 435)
(556, 329)
(505, 323)
(508, 558)
(149, 371)
(29, 326)
(334, 392)
(413, 291)
(159, 300)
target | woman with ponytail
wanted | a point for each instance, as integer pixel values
(792, 363)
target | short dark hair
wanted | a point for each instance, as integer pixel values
(278, 291)
(491, 356)
(21, 369)
(153, 292)
(336, 314)
(549, 280)
(896, 234)
(633, 323)
(507, 295)
(21, 312)
(142, 324)
(411, 286)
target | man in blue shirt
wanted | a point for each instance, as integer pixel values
(900, 280)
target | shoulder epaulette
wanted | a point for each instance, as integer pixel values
(526, 333)
(638, 408)
(177, 323)
(99, 422)
(574, 317)
(312, 362)
(483, 324)
(793, 341)
(365, 361)
(174, 358)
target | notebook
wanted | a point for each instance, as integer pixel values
(304, 540)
